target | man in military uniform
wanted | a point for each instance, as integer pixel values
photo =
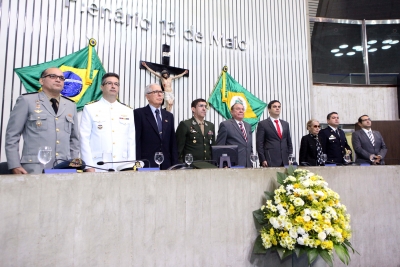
(44, 118)
(107, 128)
(196, 136)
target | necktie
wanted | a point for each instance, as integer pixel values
(278, 129)
(371, 138)
(243, 131)
(159, 123)
(319, 150)
(201, 124)
(54, 105)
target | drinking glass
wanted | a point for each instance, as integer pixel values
(291, 159)
(159, 158)
(44, 155)
(324, 158)
(347, 158)
(254, 158)
(189, 159)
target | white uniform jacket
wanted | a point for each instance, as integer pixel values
(107, 133)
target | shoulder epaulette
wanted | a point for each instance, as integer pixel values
(91, 102)
(31, 93)
(125, 105)
(67, 98)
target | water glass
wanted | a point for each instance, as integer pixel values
(44, 155)
(254, 159)
(189, 159)
(159, 158)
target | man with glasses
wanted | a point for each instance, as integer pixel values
(196, 135)
(44, 118)
(368, 145)
(333, 140)
(155, 130)
(107, 130)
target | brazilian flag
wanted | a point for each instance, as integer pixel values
(227, 92)
(83, 72)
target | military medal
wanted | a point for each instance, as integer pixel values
(38, 108)
(194, 123)
(99, 126)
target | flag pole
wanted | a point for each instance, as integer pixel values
(224, 69)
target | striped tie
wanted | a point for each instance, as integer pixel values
(371, 138)
(243, 131)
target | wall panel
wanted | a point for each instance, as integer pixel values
(274, 65)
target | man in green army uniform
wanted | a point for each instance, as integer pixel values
(196, 136)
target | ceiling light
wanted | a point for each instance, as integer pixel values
(357, 48)
(368, 46)
(338, 54)
(387, 41)
(386, 47)
(372, 49)
(343, 46)
(394, 42)
(372, 42)
(351, 53)
(334, 50)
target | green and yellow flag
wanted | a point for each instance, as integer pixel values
(227, 92)
(83, 72)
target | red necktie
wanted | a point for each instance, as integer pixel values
(243, 131)
(278, 129)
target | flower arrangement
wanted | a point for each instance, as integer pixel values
(303, 216)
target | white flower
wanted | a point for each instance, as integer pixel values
(314, 214)
(319, 193)
(298, 202)
(322, 236)
(300, 240)
(306, 218)
(307, 211)
(293, 233)
(274, 222)
(277, 199)
(301, 231)
(306, 183)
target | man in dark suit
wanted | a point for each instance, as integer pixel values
(273, 140)
(196, 135)
(155, 130)
(235, 131)
(368, 145)
(333, 140)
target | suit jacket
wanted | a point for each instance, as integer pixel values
(148, 140)
(308, 150)
(270, 147)
(364, 148)
(229, 133)
(107, 133)
(333, 144)
(33, 117)
(190, 139)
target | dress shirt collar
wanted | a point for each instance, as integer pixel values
(105, 101)
(366, 131)
(333, 128)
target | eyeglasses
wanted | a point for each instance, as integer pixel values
(366, 119)
(316, 126)
(155, 92)
(54, 77)
(202, 105)
(111, 83)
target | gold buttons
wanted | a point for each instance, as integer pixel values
(113, 143)
(56, 118)
(57, 130)
(57, 142)
(30, 160)
(56, 154)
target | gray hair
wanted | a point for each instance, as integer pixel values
(148, 88)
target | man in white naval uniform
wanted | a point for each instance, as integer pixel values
(108, 128)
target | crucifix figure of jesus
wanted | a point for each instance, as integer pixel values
(166, 81)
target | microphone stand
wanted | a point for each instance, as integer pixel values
(125, 161)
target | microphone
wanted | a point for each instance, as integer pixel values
(130, 161)
(77, 163)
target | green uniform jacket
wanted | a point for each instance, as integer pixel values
(190, 139)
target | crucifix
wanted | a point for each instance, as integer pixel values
(163, 72)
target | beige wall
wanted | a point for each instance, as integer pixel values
(380, 103)
(177, 218)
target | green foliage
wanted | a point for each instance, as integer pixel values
(290, 169)
(312, 254)
(281, 177)
(259, 216)
(258, 248)
(342, 253)
(269, 195)
(327, 257)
